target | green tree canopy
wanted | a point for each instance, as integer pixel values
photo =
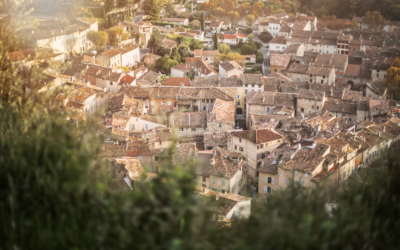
(175, 55)
(155, 43)
(170, 9)
(224, 48)
(99, 39)
(216, 41)
(265, 36)
(152, 10)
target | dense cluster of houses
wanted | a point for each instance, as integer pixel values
(320, 115)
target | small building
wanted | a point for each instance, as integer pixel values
(175, 20)
(177, 81)
(151, 59)
(230, 68)
(222, 116)
(203, 68)
(277, 44)
(207, 55)
(181, 70)
(279, 63)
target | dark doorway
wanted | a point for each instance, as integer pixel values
(238, 111)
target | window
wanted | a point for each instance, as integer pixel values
(301, 181)
(223, 182)
(275, 70)
(240, 139)
(204, 178)
(203, 100)
(157, 158)
(281, 70)
(245, 91)
(259, 85)
(169, 103)
(286, 180)
(146, 126)
(151, 103)
(244, 158)
(213, 179)
(111, 83)
(219, 125)
(162, 111)
(306, 175)
(238, 96)
(180, 129)
(302, 109)
(133, 126)
(295, 172)
(240, 149)
(237, 103)
(235, 147)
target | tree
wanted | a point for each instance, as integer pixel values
(103, 13)
(287, 8)
(175, 55)
(202, 21)
(219, 12)
(99, 39)
(280, 11)
(184, 51)
(250, 20)
(109, 5)
(216, 41)
(155, 42)
(374, 19)
(240, 43)
(115, 36)
(248, 49)
(208, 6)
(195, 44)
(123, 17)
(196, 24)
(393, 80)
(250, 37)
(224, 49)
(234, 16)
(152, 10)
(168, 65)
(241, 60)
(265, 36)
(170, 9)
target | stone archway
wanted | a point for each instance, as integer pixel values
(238, 111)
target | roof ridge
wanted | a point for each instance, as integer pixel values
(226, 170)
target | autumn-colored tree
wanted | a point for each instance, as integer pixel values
(287, 8)
(257, 9)
(268, 11)
(393, 80)
(208, 6)
(228, 5)
(99, 39)
(219, 12)
(374, 19)
(250, 20)
(241, 60)
(115, 36)
(243, 8)
(234, 16)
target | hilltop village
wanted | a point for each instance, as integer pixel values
(256, 104)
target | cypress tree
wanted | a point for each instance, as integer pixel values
(216, 42)
(202, 21)
(123, 16)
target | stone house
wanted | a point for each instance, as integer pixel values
(279, 63)
(277, 44)
(345, 110)
(207, 55)
(309, 101)
(255, 145)
(230, 68)
(181, 70)
(188, 123)
(222, 116)
(252, 82)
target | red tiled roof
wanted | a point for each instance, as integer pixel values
(177, 81)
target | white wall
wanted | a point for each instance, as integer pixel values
(141, 124)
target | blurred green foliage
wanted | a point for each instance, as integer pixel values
(53, 194)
